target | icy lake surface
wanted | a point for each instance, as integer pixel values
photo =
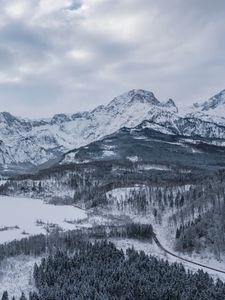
(24, 212)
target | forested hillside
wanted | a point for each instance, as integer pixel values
(126, 158)
(100, 271)
(163, 176)
(75, 268)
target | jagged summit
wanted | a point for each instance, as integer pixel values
(132, 96)
(212, 110)
(139, 99)
(6, 117)
(60, 118)
(171, 104)
(214, 102)
(37, 141)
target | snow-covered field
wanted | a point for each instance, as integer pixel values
(24, 213)
(18, 218)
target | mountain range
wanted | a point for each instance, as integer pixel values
(26, 143)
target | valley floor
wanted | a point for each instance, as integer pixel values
(16, 272)
(21, 217)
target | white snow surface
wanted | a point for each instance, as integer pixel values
(212, 110)
(16, 275)
(24, 212)
(148, 167)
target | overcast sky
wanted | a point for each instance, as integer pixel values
(68, 56)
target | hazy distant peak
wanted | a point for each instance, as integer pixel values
(171, 104)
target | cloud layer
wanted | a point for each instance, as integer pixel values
(67, 56)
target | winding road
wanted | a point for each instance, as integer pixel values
(184, 259)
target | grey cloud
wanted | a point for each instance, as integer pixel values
(75, 5)
(6, 58)
(84, 53)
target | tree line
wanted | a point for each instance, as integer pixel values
(101, 271)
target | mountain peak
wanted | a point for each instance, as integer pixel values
(171, 104)
(132, 96)
(214, 101)
(6, 117)
(60, 118)
(214, 107)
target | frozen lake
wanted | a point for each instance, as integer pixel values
(24, 212)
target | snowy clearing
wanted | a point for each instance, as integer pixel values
(107, 153)
(133, 158)
(24, 213)
(16, 275)
(148, 167)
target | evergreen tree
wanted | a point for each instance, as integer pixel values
(23, 297)
(5, 296)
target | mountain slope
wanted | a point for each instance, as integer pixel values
(215, 104)
(212, 110)
(35, 142)
(125, 158)
(27, 143)
(157, 148)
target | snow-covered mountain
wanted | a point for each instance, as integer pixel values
(35, 142)
(25, 143)
(212, 110)
(151, 143)
(215, 104)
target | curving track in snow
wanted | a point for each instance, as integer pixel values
(184, 259)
